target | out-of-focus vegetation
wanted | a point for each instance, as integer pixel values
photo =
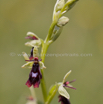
(82, 35)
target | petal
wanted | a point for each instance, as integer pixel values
(42, 65)
(31, 54)
(31, 37)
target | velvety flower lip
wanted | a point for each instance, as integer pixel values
(31, 37)
(63, 100)
(35, 74)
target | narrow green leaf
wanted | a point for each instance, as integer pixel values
(52, 93)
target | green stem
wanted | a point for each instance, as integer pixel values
(45, 46)
(50, 30)
(43, 84)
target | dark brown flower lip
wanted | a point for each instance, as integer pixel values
(35, 74)
(63, 100)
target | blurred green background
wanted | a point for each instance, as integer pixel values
(82, 35)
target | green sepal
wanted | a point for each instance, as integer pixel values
(25, 56)
(33, 43)
(67, 74)
(28, 65)
(32, 34)
(63, 92)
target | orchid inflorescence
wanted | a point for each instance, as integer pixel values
(36, 76)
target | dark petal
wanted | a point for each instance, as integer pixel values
(66, 84)
(72, 81)
(31, 54)
(63, 100)
(70, 87)
(31, 37)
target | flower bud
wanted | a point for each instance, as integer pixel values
(63, 21)
(59, 4)
(70, 4)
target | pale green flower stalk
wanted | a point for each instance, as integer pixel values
(56, 27)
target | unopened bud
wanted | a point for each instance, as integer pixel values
(63, 21)
(59, 4)
(70, 4)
